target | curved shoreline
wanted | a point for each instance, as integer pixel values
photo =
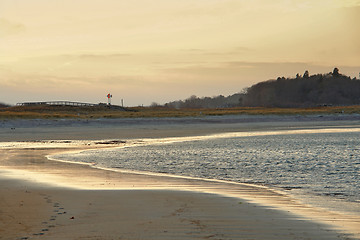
(93, 179)
(328, 203)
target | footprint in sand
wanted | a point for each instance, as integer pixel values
(38, 234)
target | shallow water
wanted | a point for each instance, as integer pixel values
(321, 168)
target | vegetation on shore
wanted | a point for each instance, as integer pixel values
(331, 89)
(57, 112)
(303, 91)
(3, 105)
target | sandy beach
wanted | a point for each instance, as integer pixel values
(45, 199)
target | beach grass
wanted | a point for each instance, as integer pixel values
(56, 112)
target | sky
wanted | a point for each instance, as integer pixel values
(145, 51)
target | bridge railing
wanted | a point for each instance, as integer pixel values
(58, 103)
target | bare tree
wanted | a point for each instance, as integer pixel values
(306, 74)
(335, 72)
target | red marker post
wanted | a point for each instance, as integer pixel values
(109, 96)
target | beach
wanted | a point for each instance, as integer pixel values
(46, 199)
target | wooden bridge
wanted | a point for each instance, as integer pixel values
(77, 104)
(58, 103)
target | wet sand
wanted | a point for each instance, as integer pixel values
(44, 199)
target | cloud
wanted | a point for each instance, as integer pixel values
(231, 51)
(57, 83)
(246, 73)
(113, 56)
(351, 3)
(10, 28)
(84, 57)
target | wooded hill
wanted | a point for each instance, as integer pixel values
(332, 89)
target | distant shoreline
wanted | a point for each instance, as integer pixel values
(88, 112)
(127, 128)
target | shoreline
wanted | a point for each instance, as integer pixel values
(123, 186)
(95, 129)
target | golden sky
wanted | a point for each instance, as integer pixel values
(146, 51)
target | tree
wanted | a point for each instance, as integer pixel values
(335, 72)
(306, 74)
(154, 104)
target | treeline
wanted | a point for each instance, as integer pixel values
(302, 91)
(305, 91)
(3, 105)
(207, 102)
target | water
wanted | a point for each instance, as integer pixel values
(318, 167)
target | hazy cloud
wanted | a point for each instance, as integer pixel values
(10, 28)
(103, 56)
(248, 73)
(48, 81)
(214, 52)
(86, 56)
